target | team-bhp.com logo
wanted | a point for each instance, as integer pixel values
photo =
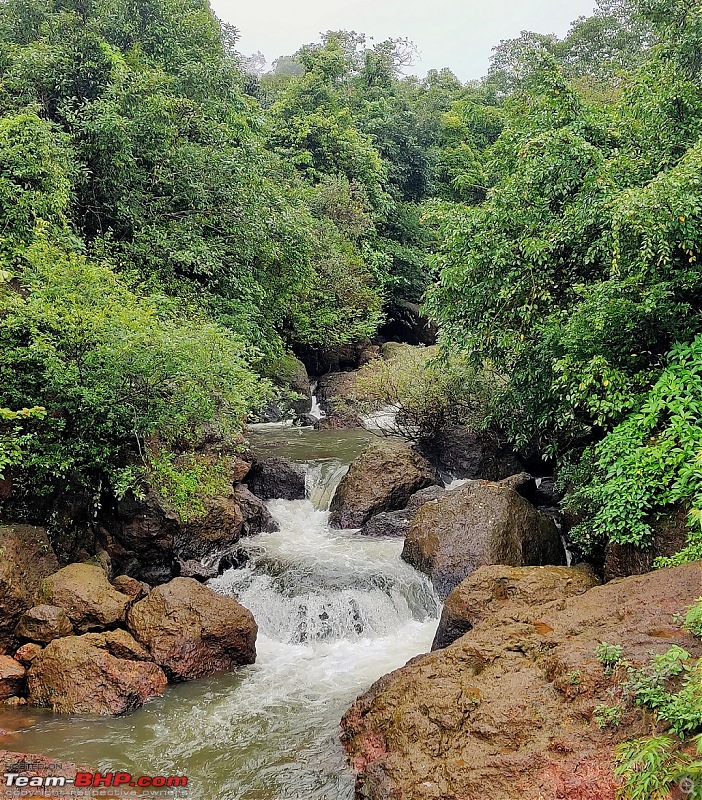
(96, 780)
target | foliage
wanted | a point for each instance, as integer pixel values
(651, 768)
(693, 619)
(610, 655)
(428, 394)
(651, 460)
(606, 716)
(11, 435)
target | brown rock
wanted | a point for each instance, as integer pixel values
(477, 525)
(336, 396)
(119, 644)
(383, 478)
(257, 518)
(670, 535)
(133, 588)
(85, 593)
(506, 712)
(396, 524)
(43, 624)
(489, 589)
(27, 558)
(191, 631)
(27, 653)
(75, 676)
(12, 675)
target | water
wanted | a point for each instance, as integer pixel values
(335, 612)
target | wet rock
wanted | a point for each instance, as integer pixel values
(133, 588)
(42, 624)
(86, 595)
(469, 455)
(76, 675)
(119, 644)
(477, 525)
(191, 631)
(12, 675)
(670, 534)
(27, 653)
(299, 382)
(277, 479)
(257, 518)
(221, 526)
(490, 589)
(382, 478)
(336, 396)
(506, 712)
(396, 524)
(27, 558)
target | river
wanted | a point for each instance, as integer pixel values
(335, 612)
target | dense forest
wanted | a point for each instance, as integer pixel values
(177, 228)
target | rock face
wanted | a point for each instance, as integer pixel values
(470, 455)
(191, 631)
(669, 536)
(12, 676)
(76, 675)
(382, 478)
(42, 624)
(277, 479)
(506, 712)
(490, 589)
(477, 525)
(86, 595)
(336, 396)
(396, 524)
(27, 558)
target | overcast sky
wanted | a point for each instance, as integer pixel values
(448, 33)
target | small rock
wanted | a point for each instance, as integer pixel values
(27, 653)
(119, 644)
(86, 595)
(43, 624)
(133, 588)
(12, 675)
(197, 570)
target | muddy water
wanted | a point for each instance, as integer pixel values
(335, 612)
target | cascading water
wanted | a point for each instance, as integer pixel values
(335, 611)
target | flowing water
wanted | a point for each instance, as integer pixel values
(335, 612)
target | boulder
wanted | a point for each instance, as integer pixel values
(506, 712)
(257, 518)
(670, 534)
(383, 478)
(27, 558)
(477, 525)
(77, 675)
(42, 624)
(119, 644)
(27, 653)
(220, 527)
(489, 589)
(12, 675)
(299, 382)
(396, 524)
(86, 595)
(191, 631)
(466, 454)
(277, 479)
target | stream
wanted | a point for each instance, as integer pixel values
(335, 612)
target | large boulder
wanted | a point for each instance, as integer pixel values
(336, 395)
(277, 479)
(383, 478)
(489, 589)
(191, 631)
(507, 711)
(42, 624)
(477, 525)
(78, 675)
(27, 558)
(12, 675)
(86, 595)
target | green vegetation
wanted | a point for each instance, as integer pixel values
(610, 655)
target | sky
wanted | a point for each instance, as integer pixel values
(459, 34)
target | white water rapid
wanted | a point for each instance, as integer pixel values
(335, 612)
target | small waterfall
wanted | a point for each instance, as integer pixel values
(321, 481)
(316, 411)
